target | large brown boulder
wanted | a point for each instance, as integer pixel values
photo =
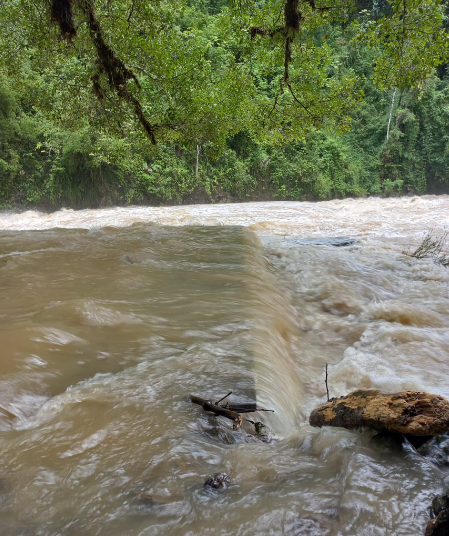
(409, 413)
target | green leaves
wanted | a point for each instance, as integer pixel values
(200, 70)
(203, 74)
(410, 42)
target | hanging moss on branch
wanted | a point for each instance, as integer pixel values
(108, 64)
(292, 26)
(293, 14)
(62, 14)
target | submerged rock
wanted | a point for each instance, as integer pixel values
(439, 503)
(314, 525)
(218, 481)
(147, 499)
(337, 241)
(440, 525)
(408, 413)
(127, 259)
(437, 450)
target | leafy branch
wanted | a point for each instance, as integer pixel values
(117, 73)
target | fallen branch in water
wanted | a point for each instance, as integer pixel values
(327, 388)
(432, 247)
(208, 405)
(230, 411)
(246, 408)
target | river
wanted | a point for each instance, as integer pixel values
(110, 318)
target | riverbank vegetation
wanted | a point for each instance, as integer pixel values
(133, 102)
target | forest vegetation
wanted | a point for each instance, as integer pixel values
(130, 101)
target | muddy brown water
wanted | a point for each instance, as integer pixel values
(110, 318)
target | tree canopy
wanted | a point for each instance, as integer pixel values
(267, 66)
(280, 98)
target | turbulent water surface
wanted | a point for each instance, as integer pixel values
(110, 318)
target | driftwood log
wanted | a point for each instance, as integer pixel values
(230, 411)
(409, 413)
(208, 405)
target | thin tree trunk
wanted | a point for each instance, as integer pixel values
(198, 149)
(391, 113)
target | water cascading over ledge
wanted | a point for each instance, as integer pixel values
(88, 291)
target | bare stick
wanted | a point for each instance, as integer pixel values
(221, 399)
(327, 388)
(432, 247)
(246, 408)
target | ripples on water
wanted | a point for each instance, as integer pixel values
(109, 318)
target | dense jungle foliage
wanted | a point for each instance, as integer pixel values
(353, 102)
